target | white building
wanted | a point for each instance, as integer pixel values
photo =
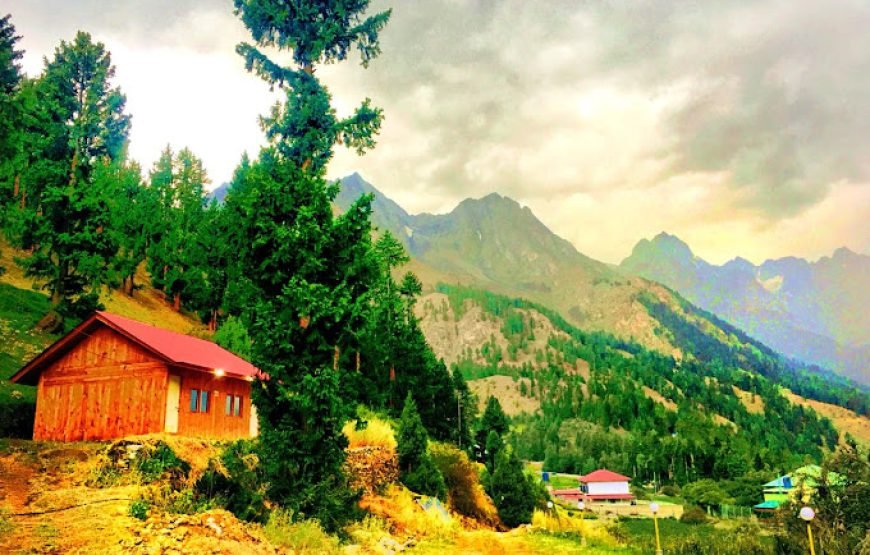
(604, 485)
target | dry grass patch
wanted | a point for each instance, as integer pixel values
(376, 433)
(753, 403)
(844, 420)
(659, 398)
(406, 518)
(507, 391)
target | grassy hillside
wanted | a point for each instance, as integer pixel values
(22, 306)
(706, 404)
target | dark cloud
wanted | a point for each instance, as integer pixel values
(775, 94)
(552, 98)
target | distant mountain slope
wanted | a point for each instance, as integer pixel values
(501, 246)
(535, 361)
(818, 312)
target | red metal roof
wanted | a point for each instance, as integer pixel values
(180, 348)
(603, 475)
(174, 348)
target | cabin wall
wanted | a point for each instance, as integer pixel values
(104, 387)
(215, 423)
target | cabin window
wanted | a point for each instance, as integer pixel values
(237, 406)
(198, 400)
(228, 408)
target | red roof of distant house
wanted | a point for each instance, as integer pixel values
(603, 475)
(174, 348)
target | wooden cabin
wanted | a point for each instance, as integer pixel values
(112, 377)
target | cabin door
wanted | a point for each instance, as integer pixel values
(173, 396)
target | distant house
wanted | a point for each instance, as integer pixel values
(112, 376)
(796, 486)
(600, 485)
(604, 485)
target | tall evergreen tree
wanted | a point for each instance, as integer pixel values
(416, 468)
(308, 269)
(178, 256)
(511, 490)
(493, 420)
(10, 81)
(133, 211)
(81, 126)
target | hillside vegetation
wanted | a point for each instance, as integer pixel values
(682, 419)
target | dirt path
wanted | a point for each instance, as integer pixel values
(14, 484)
(34, 483)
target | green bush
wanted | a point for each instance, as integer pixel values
(694, 515)
(234, 482)
(160, 462)
(139, 509)
(671, 490)
(425, 478)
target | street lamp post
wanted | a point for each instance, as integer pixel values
(654, 508)
(808, 514)
(582, 507)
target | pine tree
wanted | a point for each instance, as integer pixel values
(10, 81)
(511, 490)
(467, 410)
(416, 468)
(178, 256)
(493, 420)
(81, 126)
(133, 211)
(309, 271)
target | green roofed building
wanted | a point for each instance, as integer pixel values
(796, 486)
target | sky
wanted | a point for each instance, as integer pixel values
(743, 127)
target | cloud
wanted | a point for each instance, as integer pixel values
(700, 118)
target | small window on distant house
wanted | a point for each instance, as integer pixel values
(228, 408)
(203, 401)
(194, 400)
(237, 406)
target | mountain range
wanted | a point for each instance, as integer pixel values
(818, 312)
(494, 243)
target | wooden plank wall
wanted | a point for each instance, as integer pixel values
(105, 387)
(215, 423)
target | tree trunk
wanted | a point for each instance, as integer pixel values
(128, 286)
(176, 302)
(16, 187)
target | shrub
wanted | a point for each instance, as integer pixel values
(706, 493)
(160, 461)
(139, 509)
(694, 515)
(233, 482)
(464, 490)
(425, 478)
(306, 536)
(671, 490)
